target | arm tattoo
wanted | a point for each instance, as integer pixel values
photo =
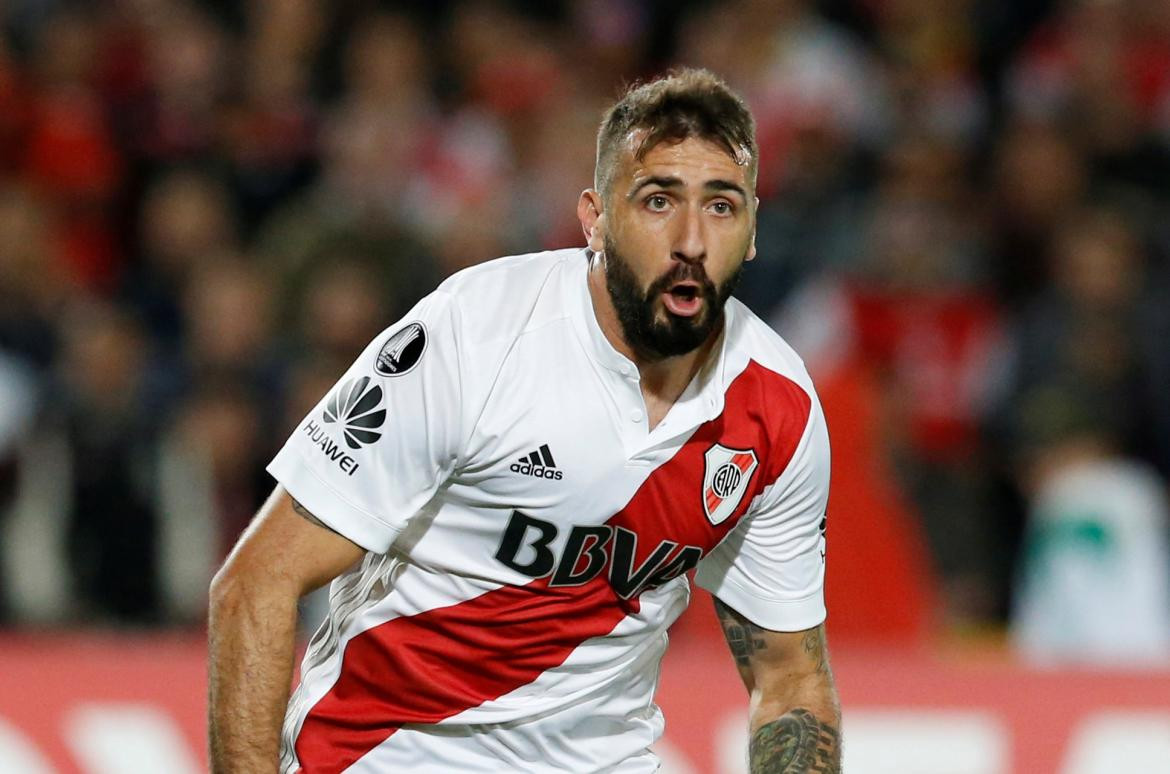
(813, 644)
(305, 514)
(797, 743)
(743, 637)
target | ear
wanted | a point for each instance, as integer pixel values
(591, 213)
(751, 253)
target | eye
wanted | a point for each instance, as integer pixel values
(722, 207)
(657, 202)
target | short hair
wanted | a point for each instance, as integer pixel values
(684, 103)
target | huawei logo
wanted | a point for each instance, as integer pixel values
(357, 406)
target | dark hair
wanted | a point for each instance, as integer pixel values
(684, 103)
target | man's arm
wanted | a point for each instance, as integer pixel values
(285, 553)
(795, 715)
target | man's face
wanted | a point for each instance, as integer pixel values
(678, 226)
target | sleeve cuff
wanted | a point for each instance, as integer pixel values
(324, 502)
(778, 615)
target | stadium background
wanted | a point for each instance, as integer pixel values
(207, 208)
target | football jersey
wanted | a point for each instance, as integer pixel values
(528, 535)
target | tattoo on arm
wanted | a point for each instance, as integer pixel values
(813, 644)
(307, 515)
(797, 743)
(743, 637)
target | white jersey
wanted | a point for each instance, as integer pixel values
(528, 534)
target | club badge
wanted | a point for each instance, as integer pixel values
(726, 475)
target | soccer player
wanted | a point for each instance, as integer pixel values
(509, 485)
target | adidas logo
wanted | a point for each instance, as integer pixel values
(538, 464)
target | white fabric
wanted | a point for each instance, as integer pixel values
(515, 367)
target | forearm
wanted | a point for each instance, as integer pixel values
(799, 732)
(795, 714)
(251, 643)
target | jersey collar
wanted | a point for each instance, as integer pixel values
(700, 401)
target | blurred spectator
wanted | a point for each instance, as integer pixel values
(175, 74)
(1102, 66)
(229, 321)
(343, 308)
(185, 220)
(1095, 576)
(220, 435)
(17, 411)
(548, 177)
(270, 124)
(1087, 327)
(931, 52)
(31, 291)
(109, 472)
(32, 282)
(207, 208)
(69, 153)
(798, 70)
(915, 310)
(1039, 179)
(807, 228)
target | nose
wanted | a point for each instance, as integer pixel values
(690, 246)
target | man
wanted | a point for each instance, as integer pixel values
(514, 479)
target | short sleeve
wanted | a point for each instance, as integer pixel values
(771, 568)
(382, 441)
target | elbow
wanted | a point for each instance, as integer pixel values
(243, 588)
(224, 587)
(228, 587)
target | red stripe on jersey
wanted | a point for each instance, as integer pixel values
(441, 662)
(742, 461)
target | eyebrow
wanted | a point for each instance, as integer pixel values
(669, 181)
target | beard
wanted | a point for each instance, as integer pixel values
(656, 337)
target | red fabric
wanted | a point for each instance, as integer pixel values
(70, 157)
(1148, 67)
(1143, 64)
(14, 115)
(521, 82)
(934, 346)
(89, 249)
(430, 666)
(70, 151)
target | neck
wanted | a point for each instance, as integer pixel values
(662, 378)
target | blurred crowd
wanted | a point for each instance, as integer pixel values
(208, 208)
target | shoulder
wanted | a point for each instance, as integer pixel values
(770, 384)
(768, 381)
(501, 299)
(751, 340)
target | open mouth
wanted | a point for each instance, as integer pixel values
(683, 299)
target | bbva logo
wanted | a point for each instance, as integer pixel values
(606, 551)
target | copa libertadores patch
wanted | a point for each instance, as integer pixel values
(402, 351)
